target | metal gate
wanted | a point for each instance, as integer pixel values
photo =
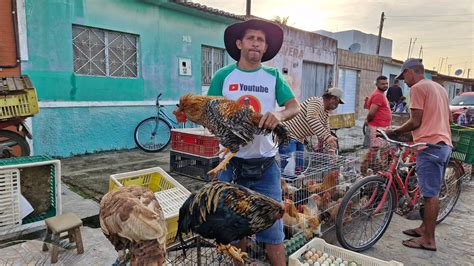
(348, 80)
(315, 80)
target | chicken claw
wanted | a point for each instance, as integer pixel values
(222, 165)
(233, 252)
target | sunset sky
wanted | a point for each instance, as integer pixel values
(443, 28)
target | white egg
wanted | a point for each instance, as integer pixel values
(307, 256)
(310, 262)
(325, 264)
(310, 253)
(326, 255)
(353, 264)
(317, 264)
(332, 257)
(313, 250)
(319, 253)
(332, 264)
(305, 264)
(339, 260)
(346, 262)
(342, 264)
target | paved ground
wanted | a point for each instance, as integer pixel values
(88, 176)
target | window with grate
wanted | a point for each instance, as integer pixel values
(99, 52)
(212, 59)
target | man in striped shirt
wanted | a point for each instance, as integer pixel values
(313, 119)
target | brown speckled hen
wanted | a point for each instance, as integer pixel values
(234, 124)
(132, 219)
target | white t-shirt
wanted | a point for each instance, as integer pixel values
(262, 89)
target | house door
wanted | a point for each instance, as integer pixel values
(348, 80)
(315, 79)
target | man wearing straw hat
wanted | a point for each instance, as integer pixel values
(250, 43)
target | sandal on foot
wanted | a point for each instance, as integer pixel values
(411, 243)
(411, 232)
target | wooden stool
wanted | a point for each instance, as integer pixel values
(68, 222)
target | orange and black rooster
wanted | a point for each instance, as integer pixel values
(227, 212)
(234, 124)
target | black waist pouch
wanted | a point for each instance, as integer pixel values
(251, 168)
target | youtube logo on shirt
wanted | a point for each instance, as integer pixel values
(233, 87)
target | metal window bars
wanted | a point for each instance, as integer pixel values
(99, 52)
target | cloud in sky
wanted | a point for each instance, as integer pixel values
(443, 28)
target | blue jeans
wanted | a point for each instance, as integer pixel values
(286, 150)
(430, 168)
(268, 185)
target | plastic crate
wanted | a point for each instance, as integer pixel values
(17, 97)
(344, 120)
(53, 167)
(463, 142)
(196, 141)
(192, 165)
(331, 250)
(9, 199)
(170, 193)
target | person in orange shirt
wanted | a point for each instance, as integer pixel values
(429, 123)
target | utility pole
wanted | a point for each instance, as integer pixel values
(441, 67)
(382, 18)
(409, 48)
(449, 69)
(249, 7)
(420, 55)
(468, 70)
(413, 46)
(446, 62)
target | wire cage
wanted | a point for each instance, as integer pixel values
(313, 185)
(199, 251)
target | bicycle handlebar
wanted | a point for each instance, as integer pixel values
(405, 144)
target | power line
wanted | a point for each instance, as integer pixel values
(428, 20)
(426, 16)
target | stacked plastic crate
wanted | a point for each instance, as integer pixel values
(193, 152)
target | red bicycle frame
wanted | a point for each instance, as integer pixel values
(392, 174)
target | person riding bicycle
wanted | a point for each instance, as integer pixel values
(313, 119)
(429, 123)
(379, 117)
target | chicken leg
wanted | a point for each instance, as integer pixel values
(232, 252)
(222, 165)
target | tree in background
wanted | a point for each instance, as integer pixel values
(281, 20)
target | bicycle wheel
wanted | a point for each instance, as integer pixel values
(153, 134)
(450, 191)
(13, 144)
(357, 227)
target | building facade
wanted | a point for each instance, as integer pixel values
(99, 65)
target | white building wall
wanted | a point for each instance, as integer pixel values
(368, 42)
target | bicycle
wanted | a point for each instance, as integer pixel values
(14, 144)
(371, 201)
(153, 134)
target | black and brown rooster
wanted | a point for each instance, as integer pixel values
(227, 212)
(234, 124)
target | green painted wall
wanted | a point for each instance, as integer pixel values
(160, 30)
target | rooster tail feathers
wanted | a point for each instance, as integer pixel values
(282, 135)
(184, 222)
